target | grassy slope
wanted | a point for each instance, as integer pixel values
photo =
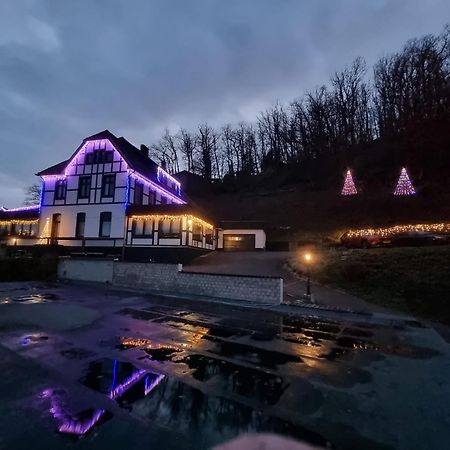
(414, 280)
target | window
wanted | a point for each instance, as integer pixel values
(89, 158)
(163, 200)
(108, 157)
(151, 198)
(99, 157)
(142, 228)
(209, 236)
(170, 228)
(84, 187)
(81, 221)
(108, 185)
(138, 193)
(105, 224)
(60, 189)
(197, 233)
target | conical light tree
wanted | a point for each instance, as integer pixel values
(349, 187)
(404, 185)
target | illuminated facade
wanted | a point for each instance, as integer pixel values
(108, 195)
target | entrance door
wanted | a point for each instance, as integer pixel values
(238, 242)
(56, 222)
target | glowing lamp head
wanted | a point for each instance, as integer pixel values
(308, 257)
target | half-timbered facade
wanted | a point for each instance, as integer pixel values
(108, 194)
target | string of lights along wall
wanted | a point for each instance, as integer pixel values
(404, 185)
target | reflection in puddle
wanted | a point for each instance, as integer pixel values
(28, 299)
(33, 338)
(77, 353)
(208, 419)
(257, 384)
(77, 424)
(162, 353)
(253, 355)
(121, 381)
(126, 343)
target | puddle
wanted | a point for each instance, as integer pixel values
(252, 355)
(209, 419)
(121, 381)
(138, 314)
(356, 332)
(33, 338)
(28, 299)
(301, 324)
(125, 343)
(77, 353)
(77, 424)
(266, 335)
(257, 384)
(162, 353)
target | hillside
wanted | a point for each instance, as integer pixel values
(290, 209)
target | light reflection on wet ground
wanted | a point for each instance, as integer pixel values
(207, 372)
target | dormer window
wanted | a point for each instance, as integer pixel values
(60, 189)
(99, 157)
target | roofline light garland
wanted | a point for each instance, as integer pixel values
(103, 144)
(169, 177)
(171, 217)
(157, 188)
(22, 208)
(19, 222)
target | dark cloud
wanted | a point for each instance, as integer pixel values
(68, 69)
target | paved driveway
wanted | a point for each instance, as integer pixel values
(274, 264)
(131, 371)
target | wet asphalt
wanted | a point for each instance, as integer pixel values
(88, 367)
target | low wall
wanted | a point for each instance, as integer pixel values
(99, 271)
(170, 279)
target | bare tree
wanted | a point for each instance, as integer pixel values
(32, 195)
(187, 147)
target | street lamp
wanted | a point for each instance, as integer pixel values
(308, 259)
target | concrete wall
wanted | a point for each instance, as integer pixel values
(100, 271)
(170, 279)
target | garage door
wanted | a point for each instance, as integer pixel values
(238, 242)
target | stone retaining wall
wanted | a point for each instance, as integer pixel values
(170, 279)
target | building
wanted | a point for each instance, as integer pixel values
(110, 197)
(242, 235)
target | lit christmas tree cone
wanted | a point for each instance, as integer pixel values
(349, 187)
(404, 184)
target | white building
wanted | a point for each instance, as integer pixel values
(109, 197)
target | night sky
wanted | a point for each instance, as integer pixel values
(71, 68)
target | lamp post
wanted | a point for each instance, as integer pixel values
(308, 259)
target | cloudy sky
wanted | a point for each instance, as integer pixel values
(70, 68)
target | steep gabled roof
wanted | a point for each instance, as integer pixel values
(54, 170)
(132, 155)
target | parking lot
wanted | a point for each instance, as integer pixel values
(85, 366)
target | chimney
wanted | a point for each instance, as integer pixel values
(163, 164)
(144, 150)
